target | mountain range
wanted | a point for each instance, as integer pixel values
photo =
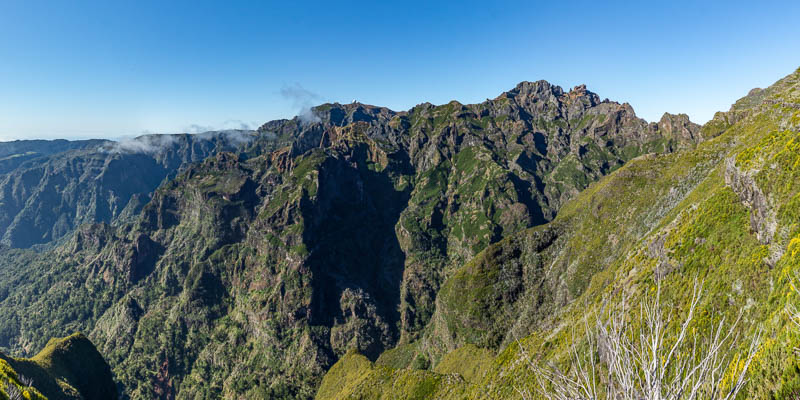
(370, 253)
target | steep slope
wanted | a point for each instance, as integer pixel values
(69, 368)
(248, 275)
(46, 197)
(726, 212)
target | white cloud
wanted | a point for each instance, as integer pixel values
(302, 100)
(150, 144)
(153, 143)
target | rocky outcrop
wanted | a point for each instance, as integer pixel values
(762, 216)
(678, 126)
(499, 295)
(763, 222)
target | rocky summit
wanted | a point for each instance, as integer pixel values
(360, 252)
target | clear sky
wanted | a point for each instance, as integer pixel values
(79, 69)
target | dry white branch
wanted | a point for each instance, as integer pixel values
(25, 381)
(647, 363)
(13, 392)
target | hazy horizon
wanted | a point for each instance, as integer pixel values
(82, 70)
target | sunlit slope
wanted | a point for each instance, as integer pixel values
(68, 368)
(726, 212)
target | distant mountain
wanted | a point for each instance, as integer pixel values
(725, 214)
(249, 274)
(58, 185)
(15, 153)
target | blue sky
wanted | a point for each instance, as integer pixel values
(110, 69)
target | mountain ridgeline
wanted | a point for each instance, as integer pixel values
(410, 253)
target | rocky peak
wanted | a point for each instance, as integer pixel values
(344, 114)
(541, 89)
(543, 98)
(580, 93)
(679, 126)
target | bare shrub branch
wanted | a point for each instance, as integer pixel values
(13, 392)
(649, 363)
(25, 381)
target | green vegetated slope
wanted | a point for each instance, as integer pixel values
(251, 273)
(68, 368)
(726, 212)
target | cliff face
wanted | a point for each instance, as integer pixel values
(251, 273)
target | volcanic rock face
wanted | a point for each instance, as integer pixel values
(315, 238)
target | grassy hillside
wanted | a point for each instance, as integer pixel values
(68, 368)
(726, 212)
(14, 386)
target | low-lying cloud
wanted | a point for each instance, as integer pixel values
(149, 143)
(302, 100)
(235, 137)
(227, 125)
(154, 143)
